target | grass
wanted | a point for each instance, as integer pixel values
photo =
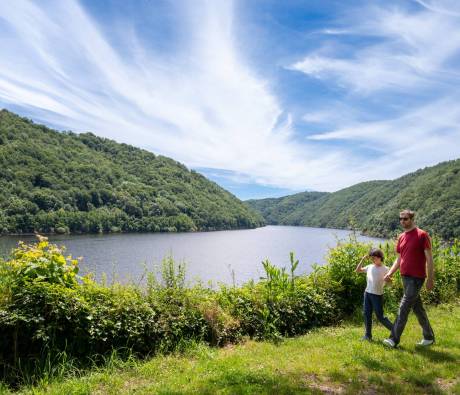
(327, 360)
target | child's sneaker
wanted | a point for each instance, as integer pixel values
(389, 343)
(366, 338)
(425, 343)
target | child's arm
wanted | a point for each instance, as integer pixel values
(359, 268)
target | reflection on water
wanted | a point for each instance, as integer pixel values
(209, 256)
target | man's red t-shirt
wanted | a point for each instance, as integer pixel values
(411, 246)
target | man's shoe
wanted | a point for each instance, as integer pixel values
(389, 343)
(425, 343)
(366, 338)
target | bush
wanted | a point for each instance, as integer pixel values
(41, 262)
(281, 304)
(42, 316)
(447, 272)
(346, 286)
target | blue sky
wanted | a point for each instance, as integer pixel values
(266, 98)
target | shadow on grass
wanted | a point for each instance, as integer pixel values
(425, 380)
(451, 344)
(435, 355)
(238, 382)
(429, 352)
(374, 364)
(378, 382)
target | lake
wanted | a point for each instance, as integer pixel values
(209, 256)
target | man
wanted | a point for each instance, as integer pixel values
(415, 263)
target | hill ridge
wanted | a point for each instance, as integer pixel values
(373, 206)
(66, 182)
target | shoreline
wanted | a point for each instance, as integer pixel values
(46, 234)
(124, 233)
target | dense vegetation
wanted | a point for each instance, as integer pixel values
(64, 182)
(433, 192)
(329, 360)
(48, 315)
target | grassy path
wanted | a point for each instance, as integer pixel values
(327, 360)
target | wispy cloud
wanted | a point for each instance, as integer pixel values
(409, 51)
(406, 66)
(203, 104)
(431, 132)
(206, 108)
(448, 7)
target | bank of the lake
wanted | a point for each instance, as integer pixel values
(53, 324)
(218, 256)
(325, 361)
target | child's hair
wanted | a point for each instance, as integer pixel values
(377, 252)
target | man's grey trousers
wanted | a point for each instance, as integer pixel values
(411, 300)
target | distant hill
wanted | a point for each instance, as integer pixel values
(64, 182)
(373, 207)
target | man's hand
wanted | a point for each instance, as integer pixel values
(429, 269)
(429, 283)
(393, 269)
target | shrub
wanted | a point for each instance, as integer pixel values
(341, 279)
(42, 316)
(446, 259)
(223, 328)
(41, 262)
(279, 305)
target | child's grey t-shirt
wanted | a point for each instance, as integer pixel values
(375, 276)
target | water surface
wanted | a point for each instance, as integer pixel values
(209, 256)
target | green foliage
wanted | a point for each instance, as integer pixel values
(280, 304)
(173, 275)
(274, 210)
(433, 192)
(447, 272)
(48, 314)
(41, 262)
(68, 183)
(345, 284)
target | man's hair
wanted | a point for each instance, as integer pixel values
(409, 213)
(377, 252)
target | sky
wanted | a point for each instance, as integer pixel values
(266, 98)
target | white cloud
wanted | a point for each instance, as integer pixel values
(421, 137)
(206, 109)
(369, 72)
(204, 106)
(408, 55)
(410, 51)
(448, 7)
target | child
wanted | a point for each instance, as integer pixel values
(373, 295)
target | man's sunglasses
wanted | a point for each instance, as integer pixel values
(404, 218)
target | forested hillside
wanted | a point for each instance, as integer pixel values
(275, 209)
(64, 182)
(373, 207)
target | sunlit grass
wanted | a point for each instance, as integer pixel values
(327, 360)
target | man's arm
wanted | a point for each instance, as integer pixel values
(393, 268)
(429, 269)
